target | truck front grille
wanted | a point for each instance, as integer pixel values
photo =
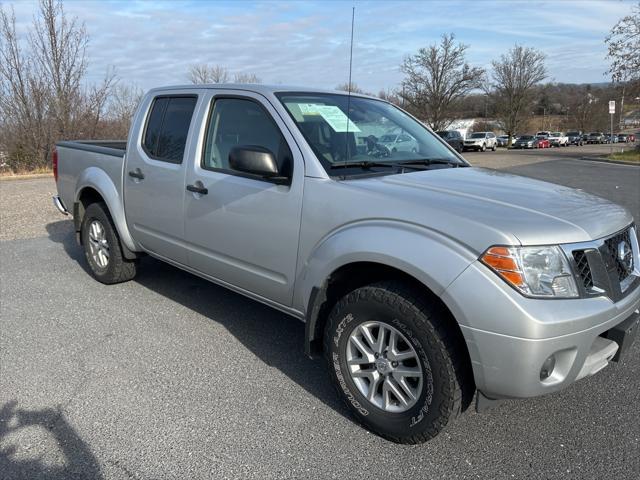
(582, 269)
(606, 266)
(612, 256)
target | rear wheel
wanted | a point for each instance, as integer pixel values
(395, 363)
(483, 148)
(102, 247)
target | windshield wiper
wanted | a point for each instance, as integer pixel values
(431, 161)
(367, 164)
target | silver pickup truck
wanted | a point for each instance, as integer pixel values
(421, 279)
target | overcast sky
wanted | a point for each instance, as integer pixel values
(307, 43)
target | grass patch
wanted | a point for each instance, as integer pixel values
(35, 171)
(631, 156)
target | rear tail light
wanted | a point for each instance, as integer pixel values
(54, 163)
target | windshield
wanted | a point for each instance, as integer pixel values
(477, 135)
(526, 137)
(375, 131)
(573, 134)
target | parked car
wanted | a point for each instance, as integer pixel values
(631, 137)
(558, 139)
(596, 137)
(420, 278)
(481, 141)
(525, 141)
(399, 142)
(585, 138)
(575, 138)
(453, 138)
(541, 142)
(610, 138)
(623, 138)
(503, 140)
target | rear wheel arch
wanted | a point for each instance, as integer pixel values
(86, 197)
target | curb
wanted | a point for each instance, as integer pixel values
(606, 160)
(28, 176)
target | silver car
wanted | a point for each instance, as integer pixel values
(399, 142)
(481, 141)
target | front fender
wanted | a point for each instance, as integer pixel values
(97, 179)
(428, 256)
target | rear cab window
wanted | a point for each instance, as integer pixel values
(167, 128)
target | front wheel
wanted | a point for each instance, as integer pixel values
(102, 247)
(483, 148)
(394, 362)
(494, 147)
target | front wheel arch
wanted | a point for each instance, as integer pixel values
(351, 276)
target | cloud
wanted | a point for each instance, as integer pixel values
(154, 43)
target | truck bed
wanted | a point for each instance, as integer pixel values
(108, 147)
(80, 159)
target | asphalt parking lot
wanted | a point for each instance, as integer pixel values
(169, 376)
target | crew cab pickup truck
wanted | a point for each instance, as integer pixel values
(420, 278)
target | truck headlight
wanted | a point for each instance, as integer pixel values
(534, 271)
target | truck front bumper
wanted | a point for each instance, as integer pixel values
(514, 341)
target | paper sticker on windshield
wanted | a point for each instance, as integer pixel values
(332, 115)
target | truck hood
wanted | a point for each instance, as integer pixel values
(480, 207)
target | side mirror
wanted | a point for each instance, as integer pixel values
(256, 161)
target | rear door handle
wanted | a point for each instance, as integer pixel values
(198, 189)
(136, 174)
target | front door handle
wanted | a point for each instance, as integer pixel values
(136, 174)
(197, 189)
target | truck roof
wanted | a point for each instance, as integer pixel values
(255, 87)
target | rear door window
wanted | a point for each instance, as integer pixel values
(167, 128)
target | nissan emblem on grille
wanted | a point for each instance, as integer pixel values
(625, 256)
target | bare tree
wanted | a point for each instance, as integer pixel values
(122, 105)
(246, 78)
(42, 95)
(512, 83)
(23, 101)
(204, 73)
(582, 104)
(623, 44)
(59, 51)
(436, 78)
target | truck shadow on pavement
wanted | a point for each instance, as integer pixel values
(274, 337)
(78, 460)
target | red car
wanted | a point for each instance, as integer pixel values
(541, 142)
(631, 137)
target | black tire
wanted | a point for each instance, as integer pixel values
(446, 388)
(483, 148)
(118, 269)
(494, 148)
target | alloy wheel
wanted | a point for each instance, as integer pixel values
(384, 366)
(98, 244)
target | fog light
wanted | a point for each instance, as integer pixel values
(547, 367)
